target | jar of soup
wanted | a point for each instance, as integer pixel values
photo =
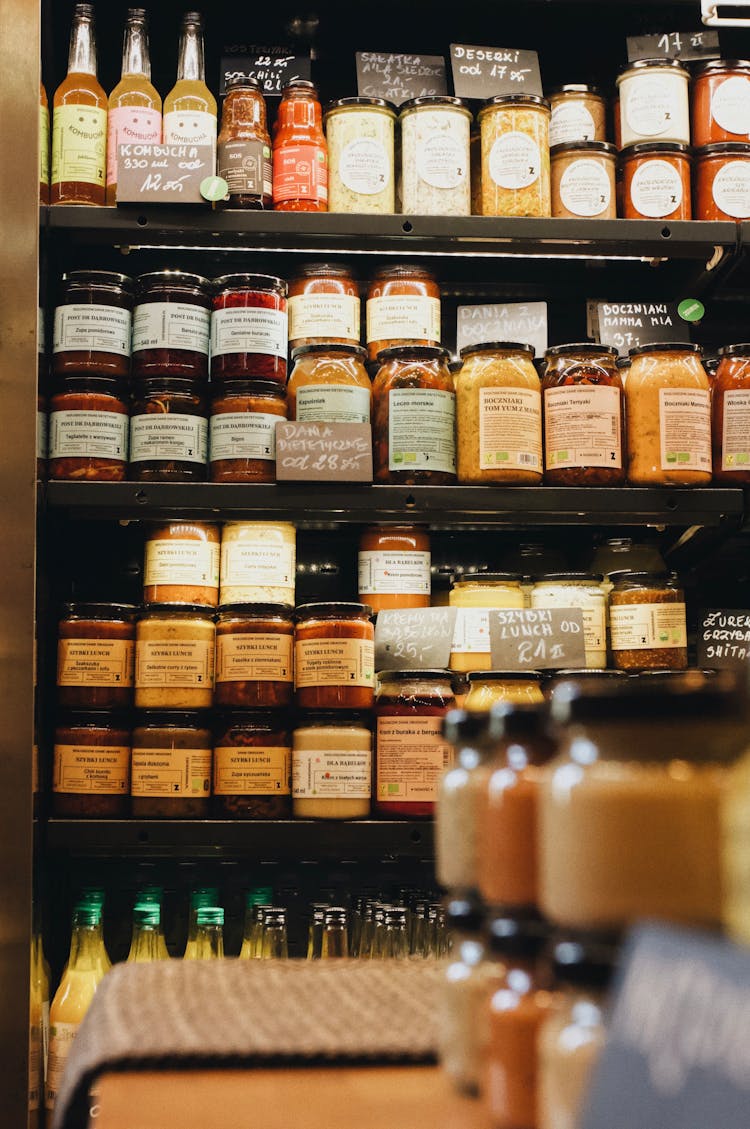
(722, 181)
(584, 418)
(171, 325)
(394, 567)
(334, 657)
(578, 590)
(414, 417)
(93, 324)
(324, 306)
(668, 401)
(91, 766)
(647, 622)
(459, 793)
(578, 113)
(252, 765)
(411, 751)
(243, 147)
(88, 430)
(493, 687)
(249, 328)
(171, 765)
(181, 563)
(583, 180)
(174, 657)
(95, 656)
(242, 430)
(515, 155)
(656, 181)
(258, 560)
(654, 103)
(721, 101)
(474, 596)
(169, 431)
(730, 408)
(402, 308)
(255, 656)
(435, 163)
(332, 766)
(329, 384)
(360, 135)
(498, 415)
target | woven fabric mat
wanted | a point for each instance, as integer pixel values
(175, 1015)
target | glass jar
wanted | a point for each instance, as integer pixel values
(578, 113)
(467, 981)
(414, 417)
(329, 384)
(474, 596)
(668, 403)
(647, 622)
(181, 563)
(91, 766)
(411, 751)
(492, 687)
(435, 161)
(720, 101)
(515, 155)
(95, 656)
(402, 308)
(332, 766)
(169, 431)
(623, 554)
(499, 415)
(300, 153)
(394, 567)
(360, 134)
(92, 324)
(584, 418)
(584, 674)
(242, 430)
(459, 792)
(324, 306)
(656, 181)
(578, 590)
(635, 791)
(730, 402)
(258, 561)
(174, 657)
(243, 147)
(583, 180)
(252, 766)
(254, 656)
(171, 766)
(171, 325)
(88, 430)
(654, 101)
(334, 657)
(475, 165)
(249, 328)
(722, 181)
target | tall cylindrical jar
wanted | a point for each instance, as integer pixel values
(361, 156)
(654, 103)
(435, 161)
(731, 416)
(300, 153)
(459, 794)
(515, 155)
(244, 146)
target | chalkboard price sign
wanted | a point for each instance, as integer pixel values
(273, 67)
(482, 72)
(397, 78)
(685, 45)
(164, 174)
(629, 324)
(323, 452)
(724, 638)
(518, 321)
(414, 638)
(537, 639)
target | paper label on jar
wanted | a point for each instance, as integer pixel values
(250, 329)
(254, 657)
(411, 757)
(95, 662)
(42, 435)
(403, 317)
(421, 430)
(386, 572)
(641, 627)
(257, 564)
(246, 167)
(322, 773)
(92, 328)
(471, 634)
(654, 104)
(364, 166)
(300, 171)
(730, 105)
(35, 1066)
(334, 662)
(171, 663)
(190, 127)
(583, 427)
(79, 144)
(76, 434)
(61, 1036)
(656, 189)
(735, 439)
(243, 435)
(171, 325)
(594, 615)
(125, 124)
(159, 437)
(571, 121)
(515, 160)
(731, 189)
(333, 403)
(510, 428)
(252, 771)
(324, 315)
(177, 561)
(685, 428)
(171, 772)
(86, 768)
(584, 188)
(441, 160)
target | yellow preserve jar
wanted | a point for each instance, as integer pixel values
(490, 687)
(474, 596)
(329, 384)
(515, 155)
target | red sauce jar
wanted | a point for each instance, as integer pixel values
(722, 181)
(254, 656)
(656, 181)
(242, 431)
(88, 430)
(93, 322)
(730, 411)
(403, 308)
(249, 328)
(95, 656)
(169, 431)
(91, 767)
(300, 152)
(171, 325)
(244, 146)
(334, 657)
(720, 102)
(324, 306)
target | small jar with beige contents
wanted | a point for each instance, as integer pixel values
(332, 765)
(579, 113)
(647, 622)
(583, 180)
(174, 657)
(515, 155)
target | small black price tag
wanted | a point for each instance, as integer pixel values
(537, 639)
(414, 638)
(163, 174)
(482, 72)
(518, 321)
(685, 45)
(723, 638)
(629, 324)
(273, 67)
(397, 78)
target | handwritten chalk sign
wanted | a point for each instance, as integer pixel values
(518, 321)
(273, 67)
(685, 45)
(629, 324)
(414, 638)
(323, 452)
(723, 638)
(163, 174)
(481, 72)
(397, 78)
(537, 639)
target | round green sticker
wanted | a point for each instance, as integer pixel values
(214, 188)
(690, 309)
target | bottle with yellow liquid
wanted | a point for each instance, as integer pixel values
(209, 933)
(79, 121)
(257, 901)
(36, 1069)
(134, 104)
(203, 896)
(153, 895)
(190, 107)
(144, 945)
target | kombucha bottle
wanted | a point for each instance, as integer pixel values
(134, 104)
(190, 107)
(79, 121)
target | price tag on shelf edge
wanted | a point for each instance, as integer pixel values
(414, 638)
(537, 639)
(481, 72)
(723, 638)
(397, 78)
(163, 174)
(517, 321)
(323, 452)
(685, 45)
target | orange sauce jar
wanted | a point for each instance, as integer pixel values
(323, 306)
(730, 424)
(656, 181)
(300, 153)
(722, 181)
(403, 308)
(720, 102)
(394, 567)
(334, 657)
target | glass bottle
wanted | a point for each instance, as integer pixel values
(153, 896)
(300, 153)
(43, 146)
(79, 121)
(134, 104)
(256, 901)
(94, 896)
(190, 107)
(36, 1076)
(464, 991)
(203, 896)
(274, 934)
(144, 944)
(244, 146)
(209, 933)
(335, 939)
(394, 943)
(315, 931)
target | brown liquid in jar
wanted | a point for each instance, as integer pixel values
(95, 656)
(91, 773)
(171, 766)
(255, 656)
(334, 657)
(252, 766)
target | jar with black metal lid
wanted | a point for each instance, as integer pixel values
(324, 305)
(91, 769)
(252, 765)
(171, 765)
(334, 656)
(249, 332)
(169, 431)
(95, 656)
(242, 430)
(402, 308)
(329, 384)
(88, 430)
(255, 656)
(92, 325)
(414, 417)
(171, 325)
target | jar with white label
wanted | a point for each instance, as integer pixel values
(255, 656)
(583, 180)
(95, 655)
(730, 416)
(92, 327)
(656, 179)
(722, 181)
(361, 163)
(474, 596)
(579, 113)
(668, 403)
(394, 567)
(515, 155)
(403, 308)
(578, 590)
(332, 766)
(171, 325)
(252, 765)
(334, 657)
(329, 384)
(647, 622)
(174, 657)
(414, 417)
(654, 102)
(169, 431)
(88, 430)
(258, 561)
(435, 159)
(324, 306)
(720, 101)
(249, 330)
(242, 430)
(171, 765)
(91, 765)
(181, 563)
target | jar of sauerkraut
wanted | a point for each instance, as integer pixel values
(435, 172)
(361, 176)
(515, 155)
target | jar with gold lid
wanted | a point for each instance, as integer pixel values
(323, 306)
